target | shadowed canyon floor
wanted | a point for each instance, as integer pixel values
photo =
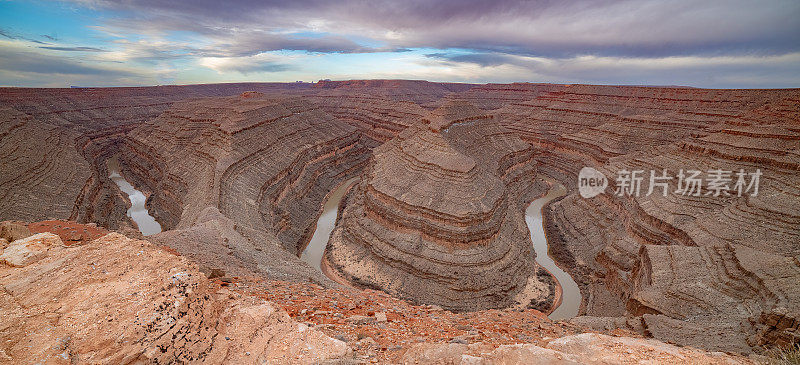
(237, 175)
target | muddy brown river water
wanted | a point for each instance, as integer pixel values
(570, 294)
(325, 224)
(138, 212)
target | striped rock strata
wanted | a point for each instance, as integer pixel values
(437, 219)
(241, 178)
(708, 271)
(258, 166)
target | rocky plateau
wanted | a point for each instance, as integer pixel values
(430, 260)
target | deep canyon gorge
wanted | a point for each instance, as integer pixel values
(421, 191)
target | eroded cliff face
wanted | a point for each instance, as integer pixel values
(237, 174)
(39, 166)
(709, 290)
(254, 166)
(261, 163)
(437, 217)
(52, 126)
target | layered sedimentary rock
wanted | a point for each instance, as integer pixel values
(54, 143)
(718, 295)
(238, 177)
(438, 220)
(604, 242)
(42, 172)
(494, 96)
(266, 162)
(415, 91)
(381, 109)
(119, 300)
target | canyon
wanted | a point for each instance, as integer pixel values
(137, 212)
(238, 176)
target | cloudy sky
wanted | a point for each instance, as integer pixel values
(709, 43)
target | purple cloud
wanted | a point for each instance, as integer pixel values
(642, 28)
(73, 49)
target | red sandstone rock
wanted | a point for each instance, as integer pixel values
(25, 251)
(265, 171)
(11, 231)
(118, 300)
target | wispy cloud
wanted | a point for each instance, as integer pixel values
(73, 49)
(708, 71)
(13, 35)
(251, 64)
(713, 43)
(544, 28)
(483, 59)
(21, 59)
(6, 34)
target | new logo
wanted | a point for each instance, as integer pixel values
(591, 182)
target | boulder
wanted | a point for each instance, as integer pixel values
(593, 348)
(360, 320)
(526, 354)
(23, 252)
(118, 300)
(13, 231)
(585, 348)
(432, 353)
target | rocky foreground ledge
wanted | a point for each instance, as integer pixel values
(237, 174)
(118, 300)
(68, 298)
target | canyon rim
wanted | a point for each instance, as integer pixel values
(434, 212)
(554, 194)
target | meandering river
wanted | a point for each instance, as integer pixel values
(570, 294)
(325, 224)
(138, 212)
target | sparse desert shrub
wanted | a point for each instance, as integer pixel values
(784, 356)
